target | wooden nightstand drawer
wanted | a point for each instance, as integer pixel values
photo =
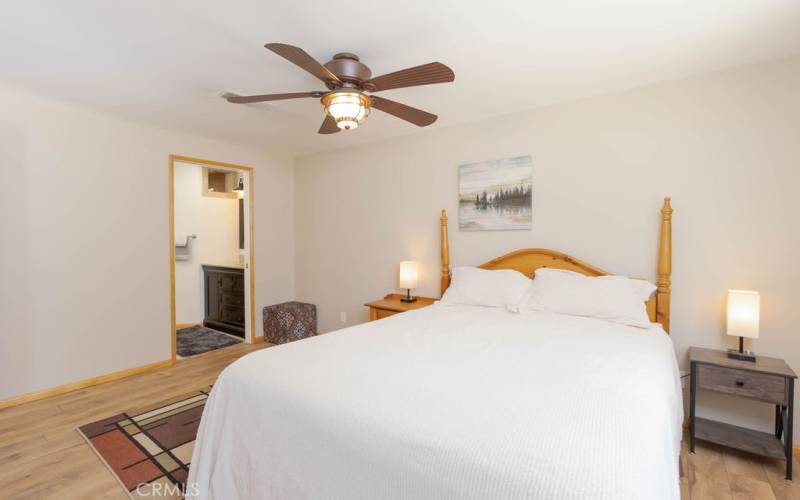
(761, 386)
(392, 304)
(383, 313)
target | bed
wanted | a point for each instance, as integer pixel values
(454, 402)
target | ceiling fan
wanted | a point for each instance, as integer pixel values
(348, 80)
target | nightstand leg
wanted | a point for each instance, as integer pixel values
(778, 421)
(692, 395)
(787, 428)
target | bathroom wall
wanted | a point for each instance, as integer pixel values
(215, 221)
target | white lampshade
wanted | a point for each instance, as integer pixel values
(409, 274)
(743, 313)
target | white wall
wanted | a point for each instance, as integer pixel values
(84, 239)
(84, 286)
(724, 146)
(215, 222)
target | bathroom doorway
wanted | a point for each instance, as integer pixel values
(211, 255)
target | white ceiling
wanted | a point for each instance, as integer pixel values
(164, 61)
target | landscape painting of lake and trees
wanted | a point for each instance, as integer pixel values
(495, 195)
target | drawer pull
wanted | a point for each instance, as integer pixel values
(739, 383)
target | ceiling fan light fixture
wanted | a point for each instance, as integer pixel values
(348, 108)
(347, 78)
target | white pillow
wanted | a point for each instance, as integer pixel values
(613, 298)
(473, 286)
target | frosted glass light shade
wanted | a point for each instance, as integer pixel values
(347, 108)
(743, 313)
(409, 274)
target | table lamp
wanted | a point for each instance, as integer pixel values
(409, 273)
(743, 313)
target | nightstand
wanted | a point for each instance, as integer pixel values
(769, 380)
(391, 304)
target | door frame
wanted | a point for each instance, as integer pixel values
(251, 337)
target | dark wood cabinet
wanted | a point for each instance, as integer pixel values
(224, 299)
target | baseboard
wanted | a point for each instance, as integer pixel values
(181, 326)
(258, 340)
(82, 384)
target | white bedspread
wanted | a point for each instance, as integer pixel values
(448, 402)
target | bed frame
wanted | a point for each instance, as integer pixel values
(529, 260)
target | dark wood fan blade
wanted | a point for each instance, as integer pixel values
(407, 113)
(245, 99)
(301, 58)
(329, 126)
(426, 74)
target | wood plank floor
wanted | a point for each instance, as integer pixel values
(715, 472)
(42, 456)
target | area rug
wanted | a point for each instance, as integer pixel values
(148, 449)
(199, 339)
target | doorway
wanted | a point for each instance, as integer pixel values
(212, 303)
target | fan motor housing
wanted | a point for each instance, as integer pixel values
(349, 69)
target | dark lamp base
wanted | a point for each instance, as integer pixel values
(741, 356)
(408, 298)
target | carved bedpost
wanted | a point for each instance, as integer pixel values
(445, 247)
(664, 266)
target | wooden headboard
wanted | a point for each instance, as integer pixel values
(529, 260)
